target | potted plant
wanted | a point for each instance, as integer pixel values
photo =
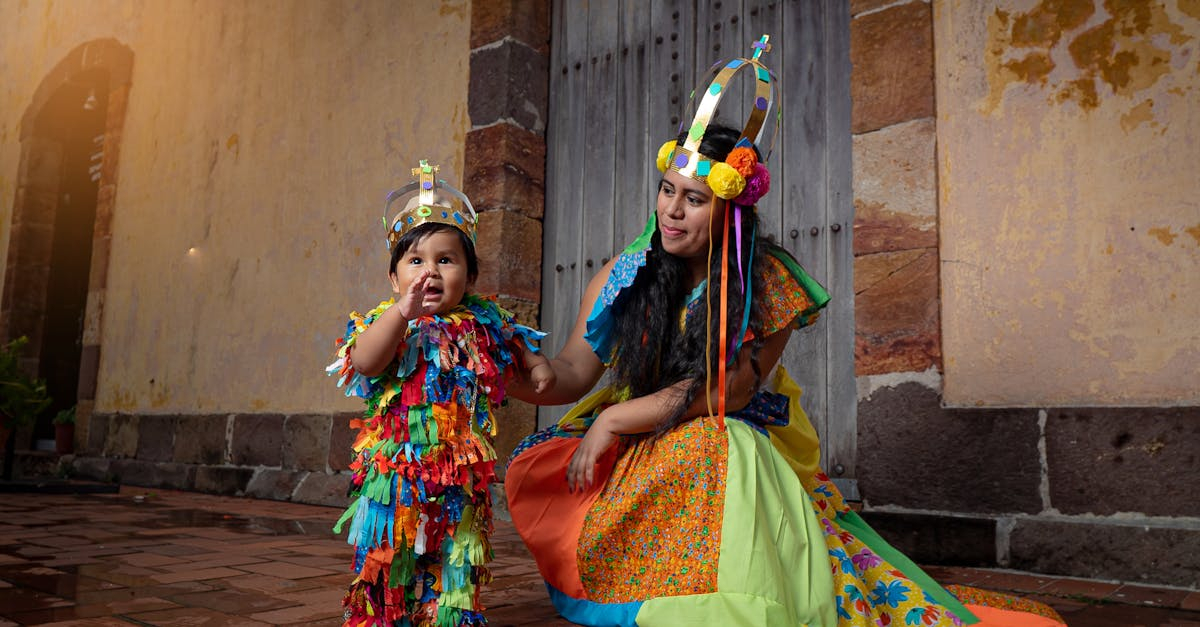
(22, 397)
(64, 431)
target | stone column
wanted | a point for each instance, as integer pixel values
(895, 188)
(505, 171)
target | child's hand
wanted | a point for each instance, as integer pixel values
(412, 302)
(542, 376)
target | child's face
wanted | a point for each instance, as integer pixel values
(442, 254)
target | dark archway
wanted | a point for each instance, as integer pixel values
(57, 263)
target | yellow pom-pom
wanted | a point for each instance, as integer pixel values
(664, 153)
(725, 181)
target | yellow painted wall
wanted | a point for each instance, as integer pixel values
(260, 140)
(1069, 201)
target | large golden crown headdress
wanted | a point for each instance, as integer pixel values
(460, 216)
(742, 177)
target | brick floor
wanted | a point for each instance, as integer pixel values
(167, 558)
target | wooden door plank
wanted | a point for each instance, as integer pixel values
(761, 17)
(562, 228)
(842, 438)
(635, 152)
(672, 67)
(596, 155)
(803, 185)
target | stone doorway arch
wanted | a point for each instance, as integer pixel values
(61, 231)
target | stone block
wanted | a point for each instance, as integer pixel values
(509, 82)
(257, 440)
(527, 21)
(89, 367)
(895, 188)
(274, 484)
(510, 255)
(515, 420)
(153, 474)
(319, 488)
(156, 438)
(114, 129)
(84, 410)
(914, 453)
(341, 441)
(94, 468)
(200, 439)
(226, 480)
(859, 6)
(506, 169)
(1106, 461)
(897, 324)
(1108, 550)
(98, 272)
(933, 539)
(525, 311)
(891, 52)
(105, 204)
(122, 437)
(97, 433)
(306, 442)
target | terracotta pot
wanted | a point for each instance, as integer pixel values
(64, 439)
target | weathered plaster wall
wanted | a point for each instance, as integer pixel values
(1034, 167)
(1068, 138)
(259, 141)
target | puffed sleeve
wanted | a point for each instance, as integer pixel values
(789, 297)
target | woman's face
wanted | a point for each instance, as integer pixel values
(685, 208)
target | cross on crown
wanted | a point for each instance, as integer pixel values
(761, 46)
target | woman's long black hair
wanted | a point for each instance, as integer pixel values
(652, 352)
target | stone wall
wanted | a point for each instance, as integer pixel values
(1080, 491)
(300, 457)
(506, 167)
(1089, 492)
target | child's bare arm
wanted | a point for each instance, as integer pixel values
(537, 375)
(375, 346)
(541, 373)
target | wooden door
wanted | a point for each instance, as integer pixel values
(621, 73)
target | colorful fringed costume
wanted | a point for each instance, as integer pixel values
(720, 522)
(423, 462)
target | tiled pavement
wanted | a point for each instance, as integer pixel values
(181, 559)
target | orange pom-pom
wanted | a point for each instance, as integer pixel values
(743, 160)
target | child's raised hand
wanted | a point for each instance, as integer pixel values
(412, 301)
(542, 376)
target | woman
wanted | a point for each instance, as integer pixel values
(691, 493)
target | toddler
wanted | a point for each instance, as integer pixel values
(432, 364)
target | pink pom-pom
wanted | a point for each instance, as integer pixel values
(757, 185)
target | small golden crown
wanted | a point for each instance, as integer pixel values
(461, 217)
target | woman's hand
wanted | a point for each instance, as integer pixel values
(581, 471)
